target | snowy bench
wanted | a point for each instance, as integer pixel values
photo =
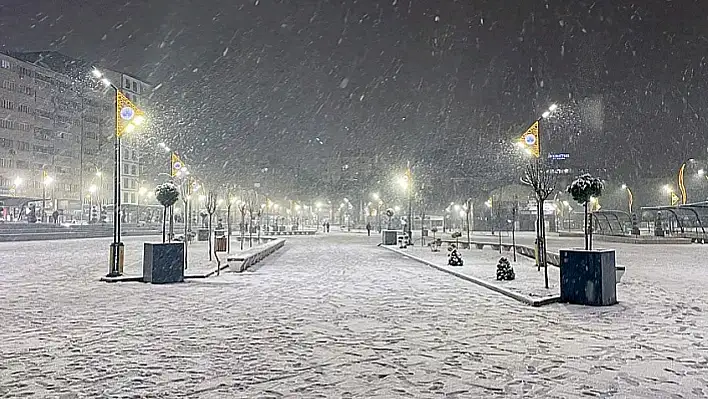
(252, 256)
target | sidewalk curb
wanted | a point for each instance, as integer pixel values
(513, 295)
(139, 279)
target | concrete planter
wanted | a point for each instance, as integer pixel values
(588, 277)
(163, 263)
(389, 237)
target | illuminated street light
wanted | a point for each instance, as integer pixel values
(97, 74)
(668, 189)
(624, 187)
(553, 107)
(93, 189)
(701, 172)
(18, 181)
(546, 114)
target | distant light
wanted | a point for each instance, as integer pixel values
(48, 180)
(566, 203)
(701, 172)
(162, 145)
(624, 187)
(97, 74)
(553, 107)
(92, 189)
(457, 208)
(545, 114)
(220, 201)
(18, 181)
(130, 128)
(668, 189)
(106, 82)
(167, 149)
(98, 173)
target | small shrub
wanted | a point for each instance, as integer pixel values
(454, 258)
(504, 270)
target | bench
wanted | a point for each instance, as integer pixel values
(252, 256)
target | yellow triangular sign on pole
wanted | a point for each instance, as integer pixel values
(530, 140)
(128, 115)
(177, 164)
(674, 199)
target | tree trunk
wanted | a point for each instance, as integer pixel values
(250, 230)
(243, 225)
(209, 235)
(585, 227)
(186, 236)
(171, 232)
(228, 229)
(543, 246)
(164, 223)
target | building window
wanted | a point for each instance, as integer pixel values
(24, 108)
(22, 164)
(6, 143)
(25, 127)
(5, 163)
(27, 90)
(23, 146)
(6, 84)
(133, 170)
(5, 64)
(127, 83)
(7, 104)
(135, 86)
(7, 124)
(26, 72)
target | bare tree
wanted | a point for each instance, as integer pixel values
(210, 205)
(242, 208)
(186, 192)
(229, 203)
(542, 181)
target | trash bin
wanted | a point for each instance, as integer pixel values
(121, 256)
(220, 244)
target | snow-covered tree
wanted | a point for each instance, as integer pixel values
(583, 189)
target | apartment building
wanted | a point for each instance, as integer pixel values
(56, 134)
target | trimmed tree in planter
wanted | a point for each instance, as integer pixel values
(164, 263)
(454, 258)
(582, 189)
(167, 195)
(587, 277)
(456, 235)
(504, 270)
(389, 217)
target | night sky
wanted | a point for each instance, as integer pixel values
(443, 82)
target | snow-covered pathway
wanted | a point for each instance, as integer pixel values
(329, 316)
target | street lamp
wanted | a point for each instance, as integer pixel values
(127, 118)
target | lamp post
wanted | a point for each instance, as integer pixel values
(127, 118)
(46, 181)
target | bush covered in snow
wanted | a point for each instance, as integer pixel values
(454, 258)
(504, 270)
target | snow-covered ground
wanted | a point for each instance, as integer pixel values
(482, 264)
(333, 316)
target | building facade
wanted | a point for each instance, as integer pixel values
(57, 131)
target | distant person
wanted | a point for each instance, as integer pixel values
(327, 226)
(368, 229)
(55, 216)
